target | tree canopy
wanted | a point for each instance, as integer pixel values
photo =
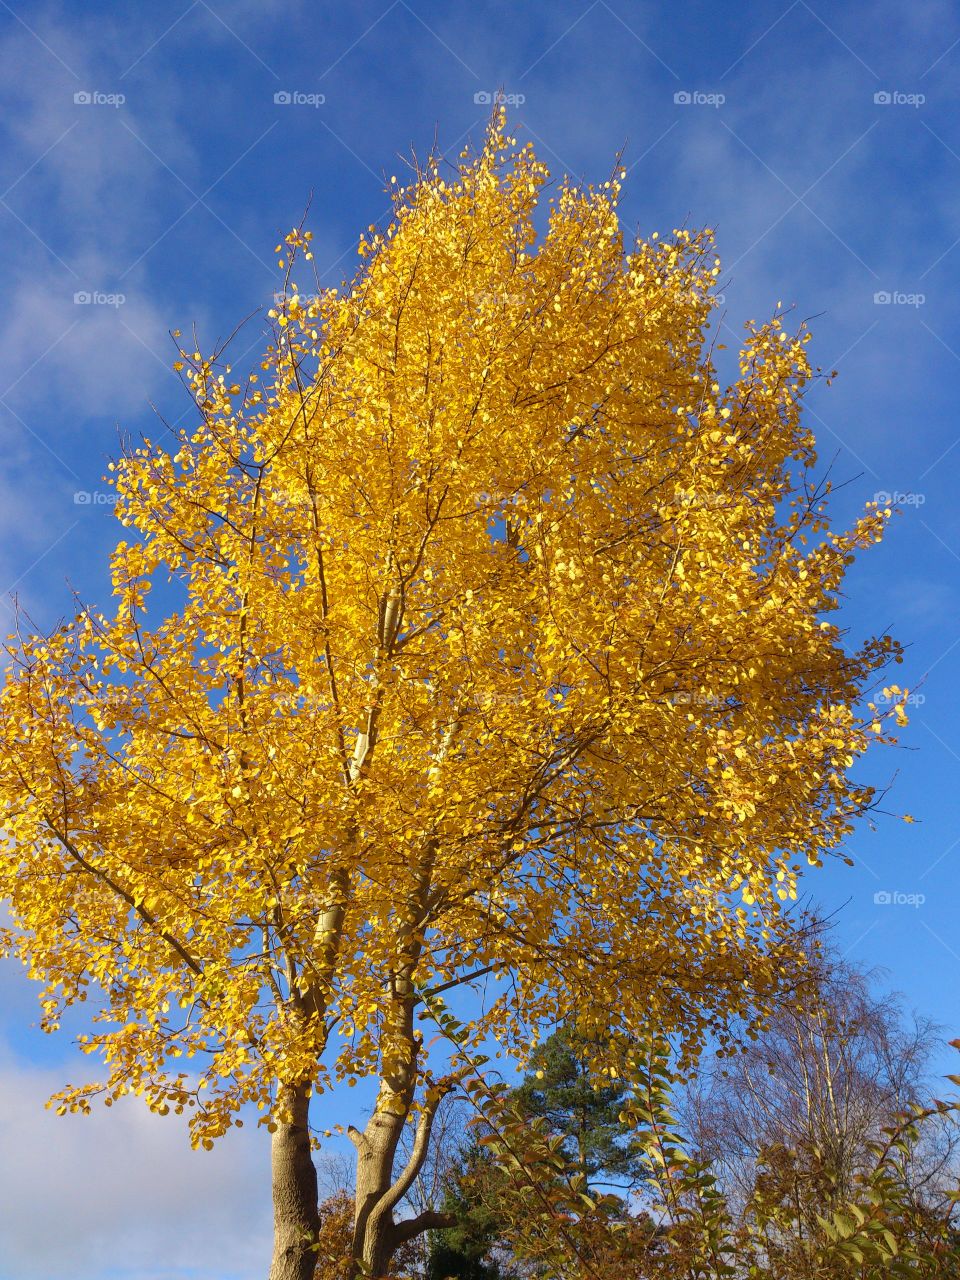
(491, 635)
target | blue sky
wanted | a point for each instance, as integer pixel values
(147, 166)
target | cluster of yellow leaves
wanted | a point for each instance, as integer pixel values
(493, 635)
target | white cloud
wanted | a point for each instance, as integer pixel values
(120, 1192)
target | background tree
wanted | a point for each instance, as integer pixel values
(469, 1248)
(875, 1232)
(334, 1237)
(795, 1117)
(562, 1088)
(808, 1144)
(831, 1068)
(492, 637)
(561, 1100)
(686, 1226)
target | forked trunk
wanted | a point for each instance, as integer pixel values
(377, 1233)
(296, 1218)
(373, 1242)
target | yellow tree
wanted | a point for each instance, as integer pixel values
(492, 638)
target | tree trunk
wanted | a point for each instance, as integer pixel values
(373, 1235)
(296, 1220)
(377, 1233)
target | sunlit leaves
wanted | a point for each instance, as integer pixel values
(486, 633)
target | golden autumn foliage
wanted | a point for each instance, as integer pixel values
(488, 633)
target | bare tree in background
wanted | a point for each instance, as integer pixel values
(794, 1114)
